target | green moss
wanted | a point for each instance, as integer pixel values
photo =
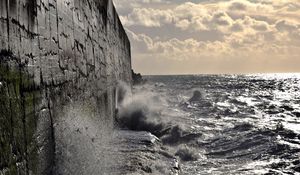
(31, 125)
(5, 128)
(17, 120)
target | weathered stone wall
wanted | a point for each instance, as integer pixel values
(52, 53)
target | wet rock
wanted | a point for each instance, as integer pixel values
(143, 158)
(146, 169)
(178, 136)
(137, 78)
(197, 96)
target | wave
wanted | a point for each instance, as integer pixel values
(187, 153)
(144, 111)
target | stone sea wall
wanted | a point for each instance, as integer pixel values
(53, 53)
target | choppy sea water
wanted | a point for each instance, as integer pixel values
(221, 124)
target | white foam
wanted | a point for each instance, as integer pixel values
(295, 127)
(223, 104)
(249, 100)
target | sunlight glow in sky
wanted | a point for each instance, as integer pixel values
(212, 36)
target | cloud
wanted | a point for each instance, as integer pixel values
(126, 6)
(142, 43)
(234, 30)
(197, 17)
(148, 17)
(233, 45)
(284, 25)
(177, 49)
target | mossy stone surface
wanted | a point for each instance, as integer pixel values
(18, 149)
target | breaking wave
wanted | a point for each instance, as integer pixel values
(146, 111)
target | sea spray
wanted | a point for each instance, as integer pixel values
(83, 141)
(187, 153)
(141, 111)
(147, 111)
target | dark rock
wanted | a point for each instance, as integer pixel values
(146, 169)
(137, 78)
(177, 136)
(197, 96)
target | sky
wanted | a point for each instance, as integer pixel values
(212, 36)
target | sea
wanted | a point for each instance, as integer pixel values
(212, 125)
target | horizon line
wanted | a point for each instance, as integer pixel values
(220, 73)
